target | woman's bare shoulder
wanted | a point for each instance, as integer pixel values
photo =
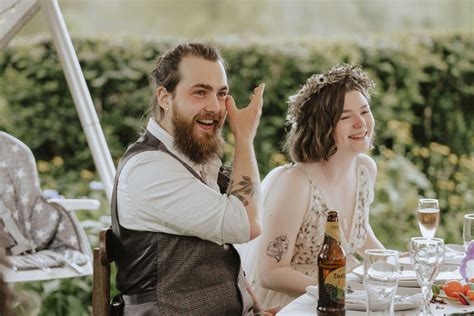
(292, 175)
(290, 184)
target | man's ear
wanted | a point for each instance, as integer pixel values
(163, 97)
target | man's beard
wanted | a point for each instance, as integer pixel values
(198, 149)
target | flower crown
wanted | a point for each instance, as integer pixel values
(316, 82)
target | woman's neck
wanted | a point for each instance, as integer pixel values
(338, 167)
(337, 181)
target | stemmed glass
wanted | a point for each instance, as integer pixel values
(468, 230)
(381, 270)
(428, 216)
(427, 256)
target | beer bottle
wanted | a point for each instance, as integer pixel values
(332, 270)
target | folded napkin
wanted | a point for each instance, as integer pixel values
(453, 254)
(409, 274)
(360, 297)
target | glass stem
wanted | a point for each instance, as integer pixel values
(426, 290)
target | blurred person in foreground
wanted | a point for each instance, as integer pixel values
(331, 128)
(175, 211)
(6, 297)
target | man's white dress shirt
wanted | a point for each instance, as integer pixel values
(155, 192)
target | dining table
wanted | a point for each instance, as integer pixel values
(306, 304)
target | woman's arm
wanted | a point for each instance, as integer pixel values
(372, 242)
(286, 204)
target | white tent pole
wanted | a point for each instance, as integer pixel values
(80, 94)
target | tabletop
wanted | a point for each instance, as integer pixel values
(306, 305)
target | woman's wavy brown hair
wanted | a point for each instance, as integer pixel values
(311, 138)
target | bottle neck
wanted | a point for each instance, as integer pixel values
(332, 230)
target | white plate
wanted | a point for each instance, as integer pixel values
(408, 298)
(407, 278)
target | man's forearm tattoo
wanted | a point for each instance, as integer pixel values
(245, 187)
(278, 247)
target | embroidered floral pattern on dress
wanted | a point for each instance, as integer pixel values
(311, 234)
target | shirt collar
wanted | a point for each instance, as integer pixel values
(211, 168)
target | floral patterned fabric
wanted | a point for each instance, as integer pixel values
(311, 234)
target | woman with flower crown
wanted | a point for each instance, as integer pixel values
(331, 128)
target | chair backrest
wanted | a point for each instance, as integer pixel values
(43, 240)
(103, 257)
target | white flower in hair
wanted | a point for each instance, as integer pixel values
(317, 82)
(320, 79)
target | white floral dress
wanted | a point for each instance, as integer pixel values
(311, 233)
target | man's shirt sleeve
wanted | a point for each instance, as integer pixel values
(156, 193)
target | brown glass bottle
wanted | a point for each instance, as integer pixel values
(332, 270)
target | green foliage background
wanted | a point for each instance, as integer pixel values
(424, 108)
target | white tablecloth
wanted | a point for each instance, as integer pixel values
(305, 305)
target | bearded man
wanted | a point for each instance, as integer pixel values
(175, 213)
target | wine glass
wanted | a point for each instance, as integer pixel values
(427, 256)
(468, 230)
(428, 216)
(381, 270)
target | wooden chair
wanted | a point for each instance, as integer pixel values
(103, 257)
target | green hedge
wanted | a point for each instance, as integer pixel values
(426, 83)
(424, 108)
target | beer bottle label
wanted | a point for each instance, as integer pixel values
(335, 284)
(332, 230)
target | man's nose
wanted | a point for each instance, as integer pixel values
(213, 105)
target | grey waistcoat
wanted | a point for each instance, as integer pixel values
(189, 275)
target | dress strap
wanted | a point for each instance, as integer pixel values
(364, 182)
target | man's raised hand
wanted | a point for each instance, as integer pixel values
(244, 122)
